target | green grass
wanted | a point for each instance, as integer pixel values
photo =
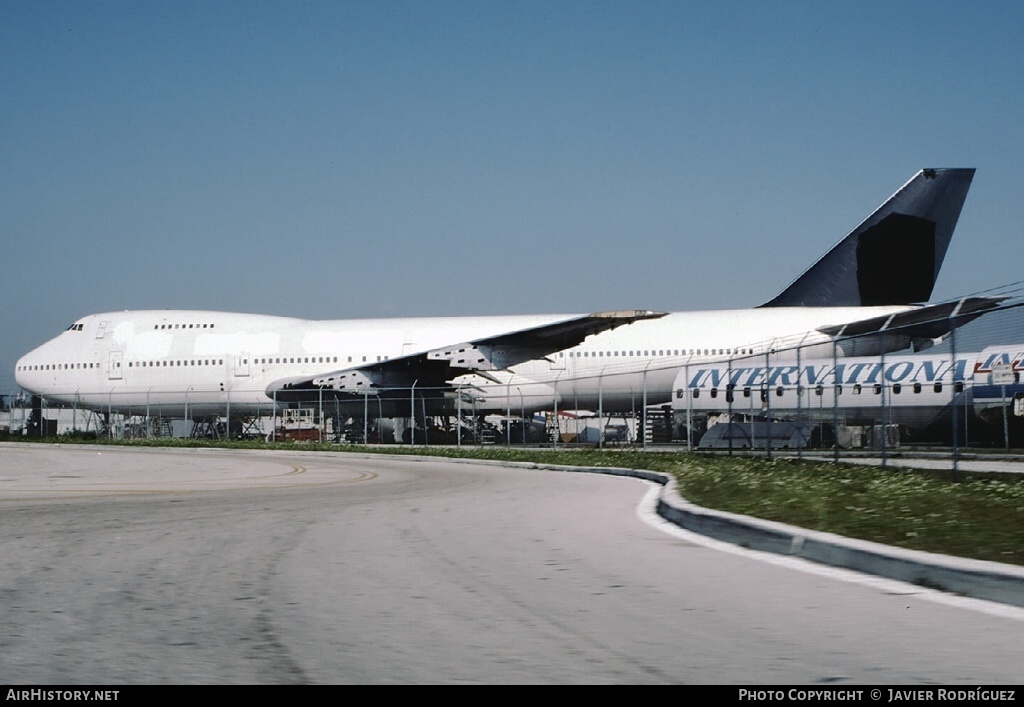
(980, 517)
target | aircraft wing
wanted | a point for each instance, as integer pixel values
(921, 325)
(434, 368)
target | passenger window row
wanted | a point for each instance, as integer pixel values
(58, 366)
(658, 352)
(896, 389)
(191, 362)
(182, 326)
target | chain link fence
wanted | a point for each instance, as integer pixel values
(945, 384)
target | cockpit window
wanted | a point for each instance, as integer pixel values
(76, 327)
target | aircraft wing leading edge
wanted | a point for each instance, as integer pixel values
(433, 369)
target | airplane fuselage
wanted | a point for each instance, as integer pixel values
(174, 362)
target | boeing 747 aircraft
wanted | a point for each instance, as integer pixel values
(173, 363)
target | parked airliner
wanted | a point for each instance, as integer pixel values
(906, 389)
(173, 363)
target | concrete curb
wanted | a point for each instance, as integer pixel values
(980, 579)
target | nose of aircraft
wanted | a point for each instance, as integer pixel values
(21, 376)
(21, 370)
(27, 370)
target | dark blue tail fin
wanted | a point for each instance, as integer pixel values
(894, 256)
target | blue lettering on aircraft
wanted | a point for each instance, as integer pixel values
(928, 370)
(855, 370)
(810, 374)
(873, 375)
(780, 375)
(898, 371)
(931, 372)
(734, 378)
(992, 360)
(756, 377)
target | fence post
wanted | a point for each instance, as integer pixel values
(643, 412)
(885, 426)
(800, 392)
(554, 440)
(768, 406)
(426, 431)
(728, 400)
(412, 413)
(689, 406)
(952, 400)
(835, 400)
(522, 413)
(1006, 424)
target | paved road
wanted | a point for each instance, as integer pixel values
(184, 566)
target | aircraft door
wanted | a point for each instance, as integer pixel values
(115, 364)
(242, 364)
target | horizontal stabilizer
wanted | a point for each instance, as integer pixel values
(894, 256)
(918, 328)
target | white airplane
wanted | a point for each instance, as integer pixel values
(173, 363)
(906, 389)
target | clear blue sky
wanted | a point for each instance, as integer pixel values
(386, 158)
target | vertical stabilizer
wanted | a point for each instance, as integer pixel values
(894, 256)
